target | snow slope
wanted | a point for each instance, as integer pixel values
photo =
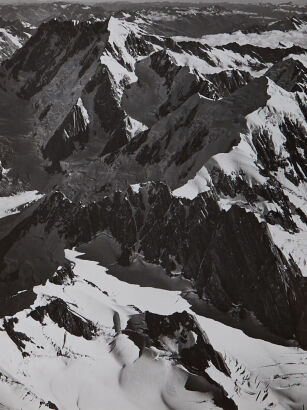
(9, 205)
(106, 372)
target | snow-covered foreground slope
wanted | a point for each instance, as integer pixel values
(45, 363)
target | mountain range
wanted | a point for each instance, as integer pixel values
(153, 206)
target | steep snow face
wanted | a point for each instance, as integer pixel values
(85, 345)
(126, 46)
(219, 60)
(200, 183)
(12, 204)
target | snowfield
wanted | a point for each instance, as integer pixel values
(272, 39)
(9, 205)
(107, 371)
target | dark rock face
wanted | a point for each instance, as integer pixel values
(17, 337)
(264, 282)
(180, 335)
(62, 275)
(271, 192)
(302, 316)
(61, 314)
(110, 116)
(287, 24)
(73, 132)
(177, 146)
(137, 46)
(263, 54)
(63, 40)
(193, 349)
(25, 260)
(295, 142)
(213, 248)
(224, 83)
(289, 74)
(213, 86)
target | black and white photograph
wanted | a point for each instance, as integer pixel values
(153, 205)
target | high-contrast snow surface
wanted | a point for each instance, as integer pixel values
(9, 205)
(272, 39)
(116, 62)
(83, 111)
(106, 372)
(221, 60)
(11, 37)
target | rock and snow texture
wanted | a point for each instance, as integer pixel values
(269, 133)
(153, 227)
(13, 34)
(75, 330)
(11, 205)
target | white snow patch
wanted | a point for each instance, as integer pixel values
(134, 127)
(269, 39)
(9, 204)
(83, 111)
(12, 38)
(155, 300)
(200, 183)
(136, 188)
(294, 244)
